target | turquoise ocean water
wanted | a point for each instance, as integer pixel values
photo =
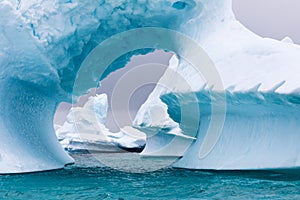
(88, 179)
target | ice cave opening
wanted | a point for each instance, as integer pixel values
(116, 103)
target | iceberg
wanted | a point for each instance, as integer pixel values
(85, 130)
(44, 43)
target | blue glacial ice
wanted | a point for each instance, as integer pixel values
(43, 44)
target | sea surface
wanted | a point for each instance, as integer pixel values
(91, 179)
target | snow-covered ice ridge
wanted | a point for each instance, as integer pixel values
(43, 43)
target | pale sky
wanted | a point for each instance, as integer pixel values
(270, 18)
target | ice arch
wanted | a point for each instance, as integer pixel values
(43, 43)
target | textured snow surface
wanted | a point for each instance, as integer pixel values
(43, 43)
